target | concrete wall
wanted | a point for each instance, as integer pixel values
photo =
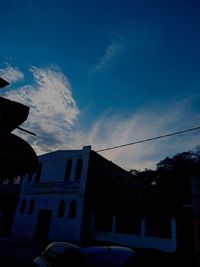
(61, 228)
(47, 194)
(140, 241)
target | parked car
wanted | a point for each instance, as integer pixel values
(58, 254)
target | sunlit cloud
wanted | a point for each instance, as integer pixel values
(53, 117)
(11, 74)
(53, 110)
(148, 122)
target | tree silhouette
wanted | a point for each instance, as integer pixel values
(172, 178)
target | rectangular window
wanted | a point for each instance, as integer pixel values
(158, 225)
(103, 221)
(129, 223)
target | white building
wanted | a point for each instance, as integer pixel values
(77, 195)
(51, 202)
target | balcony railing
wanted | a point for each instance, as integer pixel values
(51, 187)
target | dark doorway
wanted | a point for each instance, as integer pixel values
(8, 204)
(43, 225)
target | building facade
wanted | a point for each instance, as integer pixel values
(51, 201)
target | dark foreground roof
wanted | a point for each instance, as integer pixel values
(3, 83)
(12, 114)
(16, 156)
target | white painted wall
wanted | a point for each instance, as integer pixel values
(48, 197)
(142, 240)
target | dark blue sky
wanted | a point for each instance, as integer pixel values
(120, 57)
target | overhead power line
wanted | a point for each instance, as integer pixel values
(149, 139)
(24, 130)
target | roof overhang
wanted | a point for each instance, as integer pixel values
(3, 83)
(17, 157)
(12, 114)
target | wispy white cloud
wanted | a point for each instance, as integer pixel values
(53, 110)
(53, 116)
(11, 74)
(131, 43)
(148, 122)
(114, 49)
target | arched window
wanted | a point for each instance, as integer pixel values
(72, 210)
(31, 207)
(17, 180)
(38, 174)
(23, 206)
(68, 170)
(5, 181)
(79, 166)
(61, 209)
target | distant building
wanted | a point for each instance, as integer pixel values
(79, 196)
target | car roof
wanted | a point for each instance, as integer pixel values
(61, 246)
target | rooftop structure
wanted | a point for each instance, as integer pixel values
(16, 156)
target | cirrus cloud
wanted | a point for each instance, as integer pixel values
(53, 116)
(11, 74)
(53, 110)
(114, 49)
(147, 122)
